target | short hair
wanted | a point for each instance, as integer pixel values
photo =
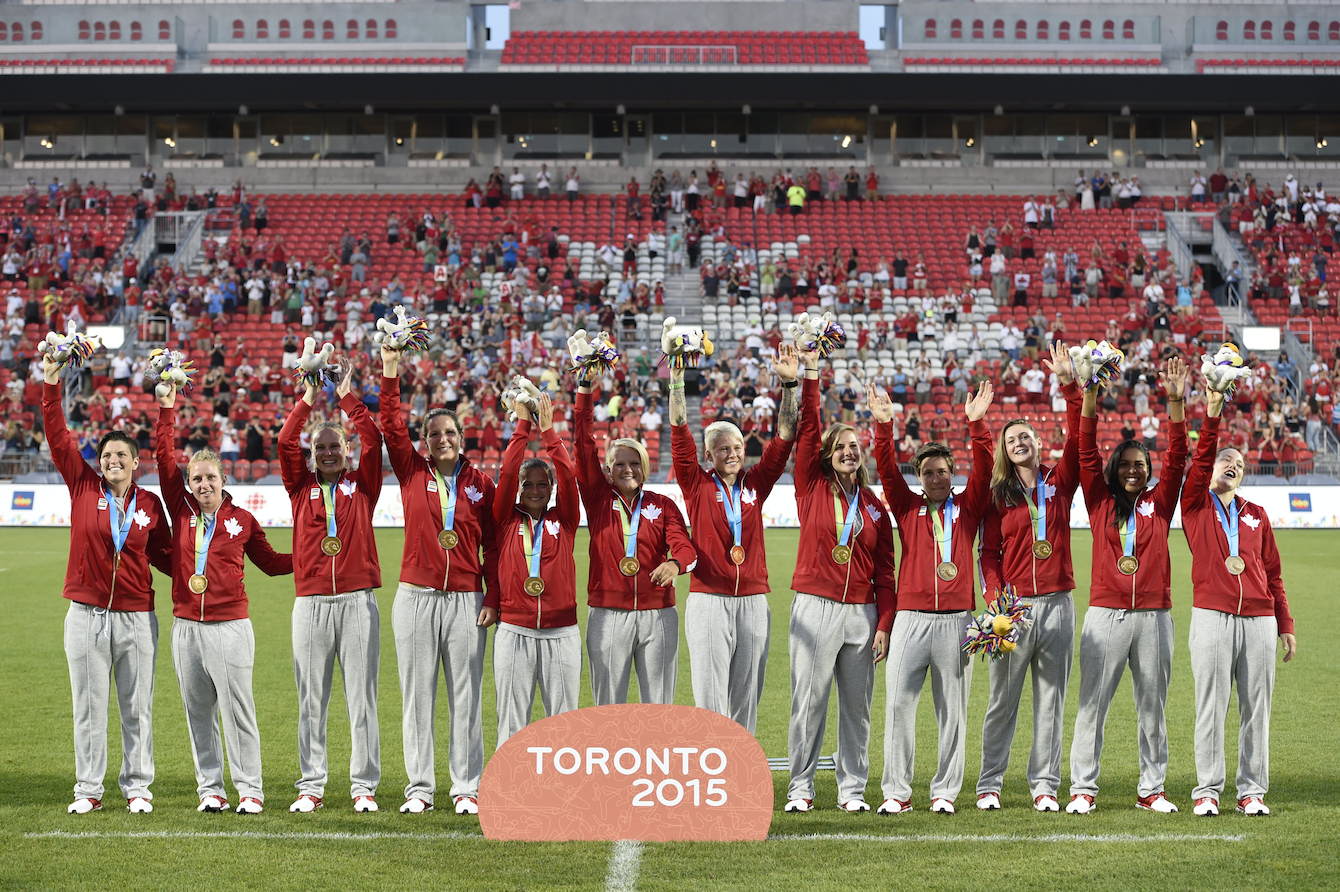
(442, 413)
(537, 463)
(718, 429)
(118, 437)
(933, 450)
(636, 446)
(329, 426)
(206, 455)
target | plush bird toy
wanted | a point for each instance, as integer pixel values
(314, 366)
(523, 391)
(684, 346)
(592, 357)
(72, 348)
(810, 331)
(168, 369)
(406, 334)
(1095, 363)
(996, 632)
(1224, 369)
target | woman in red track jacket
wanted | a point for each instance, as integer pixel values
(934, 601)
(639, 544)
(1238, 609)
(1128, 620)
(537, 641)
(213, 645)
(1026, 545)
(335, 571)
(441, 611)
(843, 608)
(117, 530)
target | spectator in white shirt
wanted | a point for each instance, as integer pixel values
(518, 183)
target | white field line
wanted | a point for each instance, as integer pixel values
(625, 863)
(1010, 837)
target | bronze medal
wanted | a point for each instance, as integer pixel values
(629, 566)
(534, 586)
(197, 583)
(1235, 564)
(737, 554)
(331, 546)
(947, 570)
(1042, 549)
(1127, 564)
(448, 538)
(841, 554)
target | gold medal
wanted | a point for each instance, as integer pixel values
(331, 546)
(947, 570)
(534, 586)
(629, 566)
(198, 583)
(1235, 564)
(737, 554)
(841, 554)
(1042, 549)
(1127, 564)
(448, 538)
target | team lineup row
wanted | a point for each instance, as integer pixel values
(479, 553)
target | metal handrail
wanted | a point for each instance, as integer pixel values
(682, 54)
(1178, 247)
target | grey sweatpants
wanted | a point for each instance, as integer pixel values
(524, 659)
(214, 662)
(1046, 648)
(922, 641)
(1110, 640)
(728, 652)
(619, 640)
(830, 641)
(1228, 650)
(346, 627)
(102, 645)
(436, 630)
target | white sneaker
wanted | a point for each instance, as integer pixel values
(1156, 802)
(250, 805)
(1046, 803)
(1205, 807)
(212, 804)
(894, 807)
(989, 802)
(306, 804)
(799, 805)
(364, 804)
(854, 805)
(467, 805)
(139, 806)
(942, 806)
(1081, 804)
(84, 806)
(1253, 807)
(415, 806)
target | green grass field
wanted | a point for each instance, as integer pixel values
(1119, 846)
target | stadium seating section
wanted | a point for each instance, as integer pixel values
(1293, 65)
(86, 66)
(333, 65)
(1005, 65)
(629, 48)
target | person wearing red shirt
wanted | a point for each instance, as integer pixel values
(336, 572)
(537, 642)
(440, 611)
(843, 608)
(1238, 609)
(639, 544)
(117, 530)
(213, 645)
(1026, 546)
(934, 601)
(727, 620)
(1129, 620)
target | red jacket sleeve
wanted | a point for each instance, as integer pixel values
(590, 479)
(896, 491)
(487, 531)
(64, 451)
(398, 445)
(808, 445)
(1091, 464)
(992, 553)
(1270, 556)
(160, 550)
(677, 537)
(263, 555)
(1170, 475)
(165, 452)
(370, 443)
(763, 476)
(509, 479)
(1202, 468)
(1067, 472)
(684, 457)
(565, 471)
(978, 492)
(292, 465)
(886, 591)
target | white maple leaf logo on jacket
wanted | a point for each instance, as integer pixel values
(552, 527)
(348, 487)
(748, 496)
(1251, 520)
(232, 527)
(651, 512)
(875, 513)
(473, 494)
(1145, 509)
(1048, 490)
(141, 519)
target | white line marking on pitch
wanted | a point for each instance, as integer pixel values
(625, 863)
(241, 834)
(1010, 837)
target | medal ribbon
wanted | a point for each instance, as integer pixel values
(446, 495)
(533, 538)
(204, 534)
(1128, 535)
(846, 526)
(120, 523)
(734, 507)
(1037, 510)
(328, 499)
(944, 530)
(630, 526)
(1229, 521)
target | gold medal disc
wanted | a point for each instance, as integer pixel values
(197, 583)
(331, 546)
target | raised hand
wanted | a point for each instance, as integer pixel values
(787, 364)
(346, 385)
(50, 370)
(390, 360)
(168, 398)
(809, 359)
(1061, 364)
(1173, 377)
(878, 401)
(977, 404)
(545, 413)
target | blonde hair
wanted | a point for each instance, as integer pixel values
(636, 446)
(205, 455)
(335, 426)
(718, 429)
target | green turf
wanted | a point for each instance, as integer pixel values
(1293, 849)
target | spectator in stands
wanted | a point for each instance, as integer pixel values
(795, 198)
(543, 182)
(872, 185)
(517, 184)
(262, 216)
(572, 184)
(1198, 187)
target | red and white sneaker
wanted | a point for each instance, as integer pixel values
(84, 806)
(467, 805)
(250, 805)
(988, 802)
(306, 804)
(365, 804)
(1081, 804)
(139, 805)
(942, 806)
(1046, 803)
(415, 806)
(894, 807)
(1156, 802)
(799, 805)
(212, 803)
(1205, 807)
(854, 805)
(1253, 807)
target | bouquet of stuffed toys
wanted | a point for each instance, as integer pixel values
(684, 346)
(406, 334)
(1096, 362)
(810, 331)
(168, 369)
(68, 349)
(996, 632)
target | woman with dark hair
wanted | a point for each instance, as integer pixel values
(843, 608)
(1129, 620)
(440, 611)
(1026, 545)
(1238, 609)
(111, 633)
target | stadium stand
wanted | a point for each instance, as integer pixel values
(525, 49)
